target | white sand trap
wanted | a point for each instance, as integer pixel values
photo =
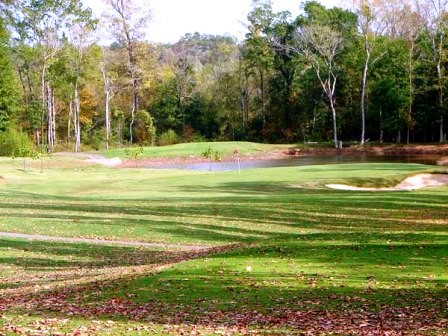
(411, 183)
(443, 161)
(106, 162)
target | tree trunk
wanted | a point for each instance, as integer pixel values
(131, 124)
(76, 120)
(107, 120)
(69, 122)
(134, 80)
(381, 126)
(440, 83)
(263, 112)
(363, 96)
(50, 141)
(135, 102)
(43, 97)
(335, 128)
(243, 109)
(329, 86)
(120, 135)
(242, 80)
(53, 131)
(411, 90)
(109, 95)
(441, 133)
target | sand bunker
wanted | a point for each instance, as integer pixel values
(443, 161)
(411, 183)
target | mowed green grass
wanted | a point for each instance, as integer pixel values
(301, 249)
(204, 207)
(197, 148)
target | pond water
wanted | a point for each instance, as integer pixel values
(305, 161)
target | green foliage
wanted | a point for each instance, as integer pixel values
(212, 87)
(168, 138)
(209, 153)
(15, 143)
(94, 139)
(144, 129)
(9, 87)
(25, 152)
(336, 18)
(390, 90)
(134, 153)
(195, 148)
(198, 137)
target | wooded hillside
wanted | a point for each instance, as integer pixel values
(375, 70)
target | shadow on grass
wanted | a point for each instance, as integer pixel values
(287, 212)
(294, 284)
(23, 263)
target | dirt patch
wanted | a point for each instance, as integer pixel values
(415, 182)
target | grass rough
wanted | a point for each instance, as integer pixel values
(291, 256)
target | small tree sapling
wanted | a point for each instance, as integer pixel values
(134, 153)
(210, 154)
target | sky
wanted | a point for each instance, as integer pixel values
(172, 19)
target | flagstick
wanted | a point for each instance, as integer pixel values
(239, 167)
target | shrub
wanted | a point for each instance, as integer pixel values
(95, 139)
(188, 134)
(198, 137)
(168, 138)
(14, 143)
(144, 129)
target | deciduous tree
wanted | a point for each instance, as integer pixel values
(127, 20)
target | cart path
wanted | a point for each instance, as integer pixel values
(94, 158)
(100, 241)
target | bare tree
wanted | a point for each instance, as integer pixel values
(81, 38)
(319, 45)
(408, 26)
(51, 117)
(370, 24)
(184, 63)
(76, 117)
(109, 94)
(126, 21)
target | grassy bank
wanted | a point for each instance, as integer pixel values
(195, 149)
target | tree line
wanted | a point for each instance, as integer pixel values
(373, 71)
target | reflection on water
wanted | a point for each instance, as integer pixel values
(306, 161)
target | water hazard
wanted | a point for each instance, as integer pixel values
(305, 161)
